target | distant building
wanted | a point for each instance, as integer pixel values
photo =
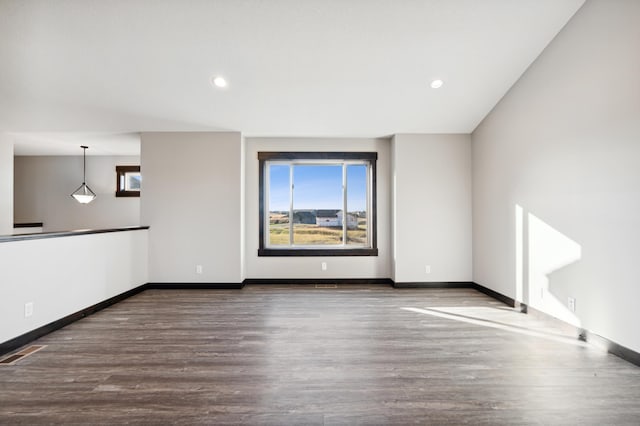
(334, 218)
(304, 216)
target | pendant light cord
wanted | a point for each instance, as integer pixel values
(84, 163)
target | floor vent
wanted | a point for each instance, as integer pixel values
(326, 286)
(13, 358)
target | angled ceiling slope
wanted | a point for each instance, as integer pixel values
(294, 68)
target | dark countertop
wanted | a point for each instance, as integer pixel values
(59, 234)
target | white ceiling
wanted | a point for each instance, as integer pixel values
(68, 143)
(294, 67)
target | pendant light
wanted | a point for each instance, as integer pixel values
(84, 194)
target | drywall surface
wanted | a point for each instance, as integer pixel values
(243, 210)
(306, 266)
(432, 208)
(191, 199)
(556, 196)
(60, 276)
(6, 185)
(43, 185)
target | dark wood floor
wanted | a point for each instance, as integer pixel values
(301, 355)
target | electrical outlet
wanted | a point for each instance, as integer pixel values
(571, 303)
(28, 309)
(323, 266)
(198, 269)
(427, 269)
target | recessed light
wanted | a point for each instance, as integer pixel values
(219, 81)
(436, 84)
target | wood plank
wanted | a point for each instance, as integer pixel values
(355, 354)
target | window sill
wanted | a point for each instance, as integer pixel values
(128, 194)
(318, 252)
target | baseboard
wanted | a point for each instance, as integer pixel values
(17, 342)
(498, 296)
(565, 327)
(434, 284)
(193, 286)
(614, 348)
(459, 284)
(382, 281)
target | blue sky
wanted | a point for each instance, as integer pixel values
(317, 187)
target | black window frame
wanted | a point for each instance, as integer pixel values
(264, 157)
(121, 171)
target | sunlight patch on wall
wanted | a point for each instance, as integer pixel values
(548, 251)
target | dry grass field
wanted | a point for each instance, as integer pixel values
(307, 234)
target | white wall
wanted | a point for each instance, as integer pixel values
(6, 185)
(432, 208)
(556, 177)
(243, 209)
(310, 267)
(191, 199)
(61, 276)
(43, 185)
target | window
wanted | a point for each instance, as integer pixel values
(317, 204)
(128, 181)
